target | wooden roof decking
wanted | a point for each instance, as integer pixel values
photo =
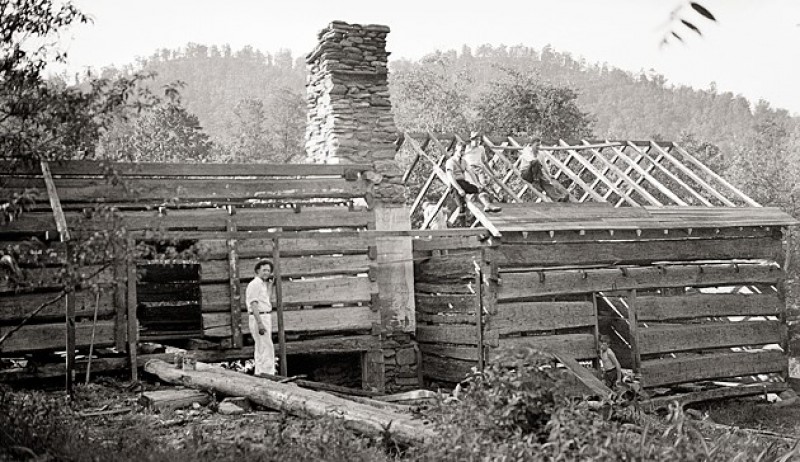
(565, 217)
(659, 183)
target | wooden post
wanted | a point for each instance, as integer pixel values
(133, 322)
(636, 357)
(596, 360)
(233, 283)
(120, 296)
(479, 307)
(70, 325)
(276, 260)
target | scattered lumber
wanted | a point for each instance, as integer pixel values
(291, 398)
(169, 400)
(583, 375)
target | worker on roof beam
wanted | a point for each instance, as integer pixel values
(458, 174)
(533, 169)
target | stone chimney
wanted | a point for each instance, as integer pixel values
(349, 112)
(350, 121)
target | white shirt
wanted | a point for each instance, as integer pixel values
(257, 292)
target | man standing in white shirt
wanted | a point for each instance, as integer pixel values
(258, 306)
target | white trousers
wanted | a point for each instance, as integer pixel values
(264, 349)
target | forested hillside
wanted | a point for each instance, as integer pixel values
(250, 103)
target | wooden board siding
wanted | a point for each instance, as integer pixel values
(713, 366)
(670, 338)
(50, 277)
(448, 333)
(14, 307)
(698, 305)
(40, 337)
(217, 270)
(85, 190)
(516, 286)
(206, 220)
(446, 369)
(444, 303)
(537, 316)
(579, 346)
(637, 252)
(216, 249)
(346, 290)
(345, 319)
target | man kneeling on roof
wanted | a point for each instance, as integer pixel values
(458, 173)
(533, 169)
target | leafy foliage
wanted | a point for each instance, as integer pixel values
(522, 104)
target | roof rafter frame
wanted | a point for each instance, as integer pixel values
(578, 173)
(674, 177)
(498, 154)
(476, 211)
(424, 189)
(427, 221)
(692, 175)
(572, 176)
(515, 171)
(599, 175)
(604, 171)
(624, 178)
(644, 174)
(715, 176)
(414, 162)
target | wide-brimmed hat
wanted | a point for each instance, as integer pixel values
(473, 135)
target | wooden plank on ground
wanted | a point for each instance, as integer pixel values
(725, 392)
(578, 346)
(698, 305)
(583, 375)
(639, 252)
(171, 399)
(657, 338)
(326, 265)
(536, 316)
(348, 319)
(215, 297)
(38, 337)
(670, 371)
(517, 286)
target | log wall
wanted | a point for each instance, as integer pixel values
(680, 308)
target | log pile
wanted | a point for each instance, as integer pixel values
(349, 111)
(289, 397)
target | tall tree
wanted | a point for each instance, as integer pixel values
(522, 104)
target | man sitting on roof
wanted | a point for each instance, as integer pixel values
(533, 169)
(456, 169)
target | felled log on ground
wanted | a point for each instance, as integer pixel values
(295, 400)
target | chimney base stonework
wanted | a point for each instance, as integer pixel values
(350, 121)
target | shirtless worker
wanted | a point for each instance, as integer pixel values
(259, 306)
(533, 169)
(462, 181)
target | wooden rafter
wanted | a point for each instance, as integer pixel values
(629, 173)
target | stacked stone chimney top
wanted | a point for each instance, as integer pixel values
(351, 48)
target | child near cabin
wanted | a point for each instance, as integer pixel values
(612, 371)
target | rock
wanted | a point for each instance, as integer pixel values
(228, 408)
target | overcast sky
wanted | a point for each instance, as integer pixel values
(753, 49)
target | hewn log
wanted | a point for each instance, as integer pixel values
(295, 400)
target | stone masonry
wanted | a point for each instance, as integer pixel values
(349, 112)
(350, 121)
